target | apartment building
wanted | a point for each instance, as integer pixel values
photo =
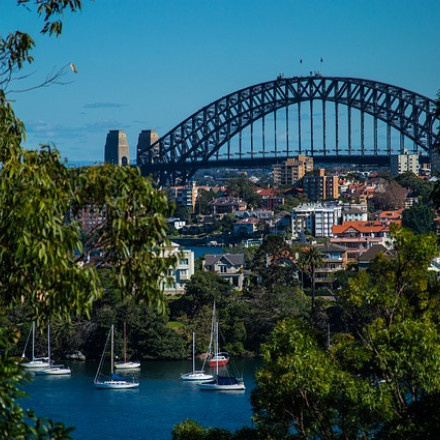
(292, 170)
(401, 163)
(321, 187)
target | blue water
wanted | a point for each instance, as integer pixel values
(149, 412)
(199, 251)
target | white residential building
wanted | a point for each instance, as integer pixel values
(401, 163)
(325, 218)
(355, 212)
(183, 271)
(303, 218)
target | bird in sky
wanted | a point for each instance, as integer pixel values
(73, 67)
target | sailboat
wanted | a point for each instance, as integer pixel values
(196, 375)
(126, 365)
(35, 362)
(221, 383)
(219, 359)
(52, 369)
(114, 381)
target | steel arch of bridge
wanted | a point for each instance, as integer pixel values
(195, 143)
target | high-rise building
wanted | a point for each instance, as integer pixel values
(321, 187)
(116, 149)
(145, 140)
(292, 170)
(185, 195)
(401, 163)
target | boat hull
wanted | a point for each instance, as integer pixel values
(223, 383)
(196, 376)
(220, 362)
(55, 371)
(127, 365)
(213, 386)
(35, 365)
(116, 384)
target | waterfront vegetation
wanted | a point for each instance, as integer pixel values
(365, 364)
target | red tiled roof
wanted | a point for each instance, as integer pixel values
(360, 226)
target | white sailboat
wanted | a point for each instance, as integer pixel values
(35, 362)
(221, 383)
(126, 365)
(196, 375)
(52, 369)
(114, 381)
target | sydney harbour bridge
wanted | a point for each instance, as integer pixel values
(332, 119)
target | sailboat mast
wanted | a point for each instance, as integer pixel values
(125, 342)
(194, 354)
(33, 340)
(111, 347)
(216, 348)
(48, 342)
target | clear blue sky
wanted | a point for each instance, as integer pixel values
(149, 64)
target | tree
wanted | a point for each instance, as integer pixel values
(311, 259)
(377, 378)
(244, 189)
(273, 261)
(419, 218)
(183, 212)
(391, 197)
(419, 188)
(40, 272)
(203, 201)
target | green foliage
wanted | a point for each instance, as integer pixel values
(191, 430)
(273, 262)
(40, 273)
(188, 430)
(268, 305)
(37, 246)
(419, 218)
(308, 262)
(202, 290)
(183, 212)
(244, 189)
(303, 389)
(133, 235)
(203, 201)
(419, 188)
(375, 380)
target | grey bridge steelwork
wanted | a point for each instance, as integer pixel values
(196, 142)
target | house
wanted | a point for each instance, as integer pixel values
(228, 266)
(246, 226)
(360, 236)
(183, 271)
(270, 198)
(334, 258)
(176, 223)
(354, 212)
(224, 205)
(388, 217)
(262, 214)
(365, 259)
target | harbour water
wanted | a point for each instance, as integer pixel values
(148, 412)
(199, 251)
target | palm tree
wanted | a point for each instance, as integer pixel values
(312, 259)
(302, 267)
